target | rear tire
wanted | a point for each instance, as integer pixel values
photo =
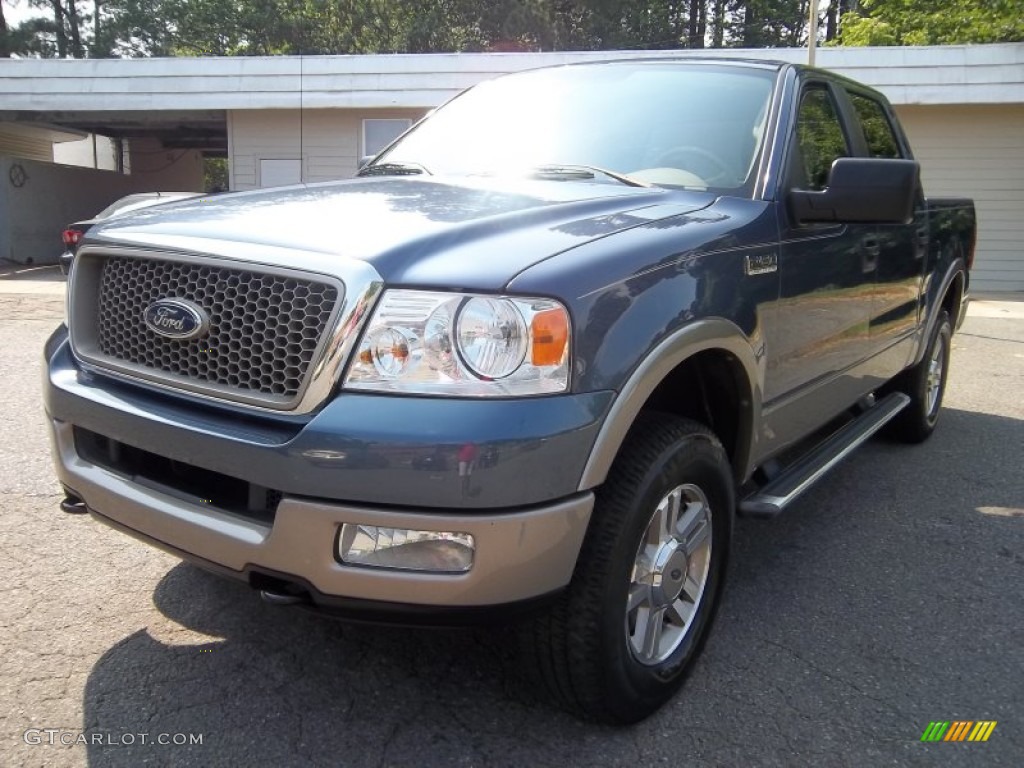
(621, 639)
(925, 384)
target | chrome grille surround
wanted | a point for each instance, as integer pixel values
(318, 351)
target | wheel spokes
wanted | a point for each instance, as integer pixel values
(650, 622)
(669, 574)
(665, 519)
(680, 613)
(692, 514)
(697, 532)
(639, 594)
(691, 588)
(933, 382)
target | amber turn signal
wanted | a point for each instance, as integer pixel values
(550, 332)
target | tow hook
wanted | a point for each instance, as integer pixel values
(282, 598)
(73, 505)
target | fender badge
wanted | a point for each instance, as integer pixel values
(761, 264)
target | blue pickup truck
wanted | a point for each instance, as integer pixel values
(529, 366)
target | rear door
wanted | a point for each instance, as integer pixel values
(901, 247)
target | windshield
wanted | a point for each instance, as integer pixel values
(671, 124)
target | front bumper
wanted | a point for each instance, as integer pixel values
(360, 448)
(526, 517)
(519, 555)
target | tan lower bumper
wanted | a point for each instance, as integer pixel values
(519, 555)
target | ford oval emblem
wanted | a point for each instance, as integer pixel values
(176, 319)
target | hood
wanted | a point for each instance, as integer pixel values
(423, 231)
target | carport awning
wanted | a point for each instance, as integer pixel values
(204, 130)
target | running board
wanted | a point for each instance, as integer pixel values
(780, 492)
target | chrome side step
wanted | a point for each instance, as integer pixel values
(781, 491)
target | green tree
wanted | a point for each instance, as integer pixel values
(5, 35)
(100, 28)
(926, 22)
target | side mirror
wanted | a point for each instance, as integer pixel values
(864, 190)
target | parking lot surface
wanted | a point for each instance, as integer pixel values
(888, 597)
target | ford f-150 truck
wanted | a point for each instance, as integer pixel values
(534, 359)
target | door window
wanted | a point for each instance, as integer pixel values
(820, 139)
(878, 133)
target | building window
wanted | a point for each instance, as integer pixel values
(279, 173)
(378, 133)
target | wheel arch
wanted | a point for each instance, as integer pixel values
(950, 296)
(954, 296)
(707, 371)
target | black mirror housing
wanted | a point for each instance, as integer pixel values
(861, 190)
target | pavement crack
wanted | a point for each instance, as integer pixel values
(832, 676)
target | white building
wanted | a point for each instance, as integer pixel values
(287, 119)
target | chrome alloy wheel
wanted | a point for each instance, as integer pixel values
(933, 384)
(669, 574)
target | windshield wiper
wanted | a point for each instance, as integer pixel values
(575, 171)
(393, 169)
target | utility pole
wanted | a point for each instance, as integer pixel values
(812, 35)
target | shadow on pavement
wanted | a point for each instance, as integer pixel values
(285, 687)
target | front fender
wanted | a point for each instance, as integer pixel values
(707, 334)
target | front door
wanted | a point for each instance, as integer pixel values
(827, 273)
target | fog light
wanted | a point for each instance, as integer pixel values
(437, 551)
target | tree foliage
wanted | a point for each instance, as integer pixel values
(926, 22)
(104, 28)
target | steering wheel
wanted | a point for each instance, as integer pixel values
(675, 158)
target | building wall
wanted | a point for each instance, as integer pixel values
(978, 151)
(327, 141)
(19, 143)
(155, 169)
(30, 230)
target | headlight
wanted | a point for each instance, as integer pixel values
(436, 343)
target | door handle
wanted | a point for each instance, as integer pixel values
(870, 248)
(871, 245)
(920, 242)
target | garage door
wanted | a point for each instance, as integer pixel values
(978, 151)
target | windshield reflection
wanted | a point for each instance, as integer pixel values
(671, 124)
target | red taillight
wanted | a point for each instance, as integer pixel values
(71, 237)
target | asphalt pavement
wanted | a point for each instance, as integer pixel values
(888, 597)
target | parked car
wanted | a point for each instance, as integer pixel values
(652, 294)
(73, 233)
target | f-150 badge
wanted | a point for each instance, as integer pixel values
(761, 264)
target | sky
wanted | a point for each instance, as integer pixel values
(19, 10)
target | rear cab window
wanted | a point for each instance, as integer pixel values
(879, 136)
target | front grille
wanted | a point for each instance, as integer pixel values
(264, 331)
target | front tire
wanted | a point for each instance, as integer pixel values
(621, 640)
